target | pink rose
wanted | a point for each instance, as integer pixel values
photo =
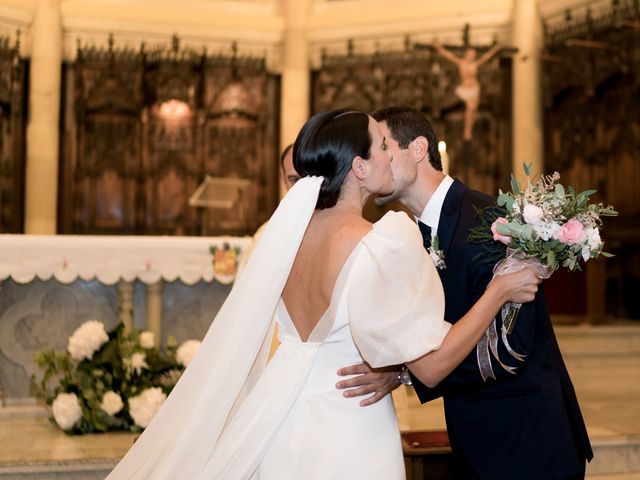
(571, 232)
(496, 236)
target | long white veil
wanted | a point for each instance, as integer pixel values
(183, 435)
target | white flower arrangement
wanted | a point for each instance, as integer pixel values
(87, 339)
(119, 388)
(66, 410)
(111, 403)
(187, 351)
(143, 407)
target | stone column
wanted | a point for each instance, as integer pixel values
(41, 188)
(295, 99)
(527, 97)
(125, 307)
(154, 310)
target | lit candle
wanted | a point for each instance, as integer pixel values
(444, 156)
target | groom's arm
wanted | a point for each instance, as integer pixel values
(467, 377)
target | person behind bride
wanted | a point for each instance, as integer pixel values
(503, 422)
(342, 291)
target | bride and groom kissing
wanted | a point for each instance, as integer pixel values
(343, 292)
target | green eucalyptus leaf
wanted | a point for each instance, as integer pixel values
(515, 228)
(514, 184)
(551, 258)
(503, 229)
(587, 193)
(510, 202)
(526, 232)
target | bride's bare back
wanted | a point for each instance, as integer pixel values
(326, 246)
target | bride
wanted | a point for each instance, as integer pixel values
(341, 290)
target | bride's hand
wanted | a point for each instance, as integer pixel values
(518, 287)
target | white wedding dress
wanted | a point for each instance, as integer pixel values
(240, 420)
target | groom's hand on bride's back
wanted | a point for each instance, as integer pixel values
(379, 382)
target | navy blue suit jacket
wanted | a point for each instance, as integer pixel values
(526, 425)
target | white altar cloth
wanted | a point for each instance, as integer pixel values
(110, 259)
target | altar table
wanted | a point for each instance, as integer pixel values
(49, 284)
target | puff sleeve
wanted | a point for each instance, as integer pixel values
(395, 298)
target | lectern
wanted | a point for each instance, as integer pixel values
(228, 195)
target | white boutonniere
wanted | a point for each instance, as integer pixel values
(435, 253)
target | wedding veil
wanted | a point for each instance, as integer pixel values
(182, 436)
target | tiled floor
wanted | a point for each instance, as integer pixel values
(27, 436)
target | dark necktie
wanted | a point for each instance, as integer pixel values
(426, 234)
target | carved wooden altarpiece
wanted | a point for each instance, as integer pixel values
(591, 81)
(143, 129)
(420, 78)
(12, 136)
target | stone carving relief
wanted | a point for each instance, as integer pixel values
(43, 315)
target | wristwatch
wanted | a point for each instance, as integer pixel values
(404, 377)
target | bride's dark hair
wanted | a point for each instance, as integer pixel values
(327, 145)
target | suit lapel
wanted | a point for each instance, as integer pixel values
(449, 216)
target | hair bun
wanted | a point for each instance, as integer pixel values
(327, 145)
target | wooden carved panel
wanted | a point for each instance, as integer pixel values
(142, 130)
(421, 79)
(592, 133)
(172, 155)
(239, 140)
(12, 138)
(101, 167)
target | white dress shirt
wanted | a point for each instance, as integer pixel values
(431, 213)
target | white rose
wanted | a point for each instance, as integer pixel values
(143, 407)
(186, 351)
(593, 237)
(136, 362)
(147, 340)
(66, 410)
(111, 403)
(532, 214)
(87, 339)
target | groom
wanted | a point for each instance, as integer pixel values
(503, 423)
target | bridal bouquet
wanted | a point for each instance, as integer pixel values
(544, 226)
(109, 380)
